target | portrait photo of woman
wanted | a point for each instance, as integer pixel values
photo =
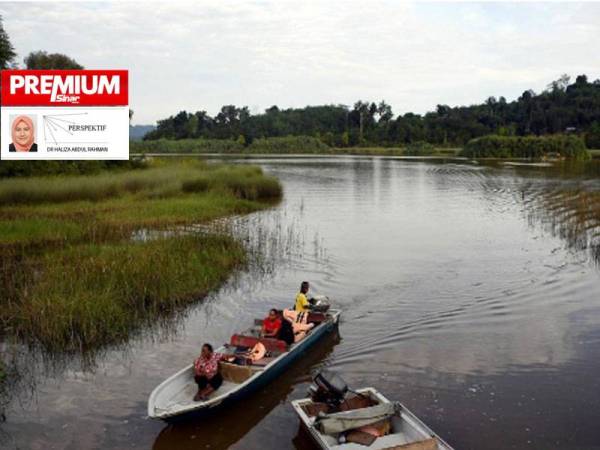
(23, 135)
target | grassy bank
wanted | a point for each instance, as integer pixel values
(287, 144)
(92, 294)
(41, 168)
(281, 146)
(71, 277)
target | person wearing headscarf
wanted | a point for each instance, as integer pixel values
(23, 134)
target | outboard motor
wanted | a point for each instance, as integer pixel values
(328, 388)
(320, 303)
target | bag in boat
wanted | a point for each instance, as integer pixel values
(355, 418)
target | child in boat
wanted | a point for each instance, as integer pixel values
(302, 303)
(271, 325)
(206, 372)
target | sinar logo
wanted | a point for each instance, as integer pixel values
(67, 88)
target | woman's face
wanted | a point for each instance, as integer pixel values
(23, 133)
(206, 352)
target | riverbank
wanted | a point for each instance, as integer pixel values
(72, 277)
(279, 146)
(307, 145)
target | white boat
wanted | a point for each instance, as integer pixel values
(173, 399)
(332, 430)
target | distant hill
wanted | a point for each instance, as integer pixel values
(137, 132)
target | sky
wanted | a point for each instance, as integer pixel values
(202, 55)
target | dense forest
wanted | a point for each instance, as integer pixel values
(562, 107)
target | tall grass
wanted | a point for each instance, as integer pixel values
(280, 145)
(162, 181)
(54, 189)
(110, 289)
(245, 182)
(186, 146)
(70, 275)
(288, 145)
(285, 145)
(41, 168)
(38, 229)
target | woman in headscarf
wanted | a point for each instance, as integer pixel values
(23, 135)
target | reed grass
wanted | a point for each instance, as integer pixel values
(72, 277)
(248, 184)
(110, 289)
(286, 145)
(33, 230)
(278, 145)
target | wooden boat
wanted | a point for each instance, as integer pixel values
(334, 430)
(173, 398)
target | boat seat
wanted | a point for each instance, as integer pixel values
(272, 345)
(234, 372)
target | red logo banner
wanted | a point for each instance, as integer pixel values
(65, 88)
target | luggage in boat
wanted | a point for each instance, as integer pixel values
(237, 340)
(361, 418)
(354, 418)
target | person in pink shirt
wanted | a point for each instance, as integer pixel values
(206, 372)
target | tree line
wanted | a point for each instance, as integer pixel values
(564, 107)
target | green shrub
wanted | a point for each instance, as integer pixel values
(420, 148)
(592, 137)
(287, 144)
(530, 147)
(186, 146)
(41, 168)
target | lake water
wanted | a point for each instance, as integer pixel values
(470, 293)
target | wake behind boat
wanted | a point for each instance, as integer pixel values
(174, 398)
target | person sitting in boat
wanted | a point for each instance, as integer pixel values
(299, 322)
(286, 332)
(206, 372)
(271, 325)
(303, 304)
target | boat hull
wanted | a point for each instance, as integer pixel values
(260, 381)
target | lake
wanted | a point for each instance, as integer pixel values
(470, 292)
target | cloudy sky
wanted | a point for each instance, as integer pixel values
(258, 53)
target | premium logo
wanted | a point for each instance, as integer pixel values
(64, 114)
(67, 88)
(76, 87)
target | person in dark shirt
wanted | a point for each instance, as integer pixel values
(286, 332)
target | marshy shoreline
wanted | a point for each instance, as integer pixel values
(71, 275)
